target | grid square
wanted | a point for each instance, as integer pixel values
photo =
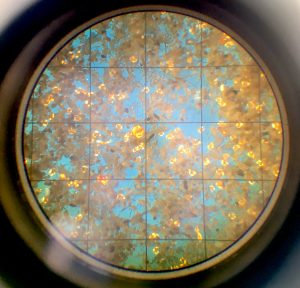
(62, 94)
(118, 94)
(231, 151)
(117, 210)
(174, 95)
(269, 105)
(176, 254)
(231, 207)
(75, 53)
(219, 49)
(164, 218)
(130, 254)
(271, 145)
(230, 94)
(119, 42)
(117, 151)
(228, 225)
(233, 195)
(172, 40)
(66, 205)
(60, 151)
(169, 151)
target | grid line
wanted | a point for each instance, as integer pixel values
(202, 150)
(151, 67)
(90, 143)
(145, 141)
(155, 179)
(150, 240)
(152, 122)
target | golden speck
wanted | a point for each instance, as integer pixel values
(38, 190)
(79, 217)
(239, 125)
(139, 147)
(211, 146)
(69, 110)
(126, 137)
(220, 184)
(189, 60)
(183, 262)
(52, 172)
(101, 86)
(275, 171)
(252, 211)
(170, 63)
(188, 197)
(201, 129)
(72, 130)
(181, 149)
(229, 44)
(133, 59)
(259, 108)
(245, 83)
(212, 188)
(222, 87)
(198, 233)
(242, 202)
(206, 162)
(62, 176)
(154, 235)
(102, 179)
(156, 250)
(251, 154)
(192, 172)
(251, 182)
(77, 118)
(138, 159)
(232, 216)
(224, 162)
(146, 89)
(121, 96)
(121, 197)
(49, 100)
(277, 127)
(220, 172)
(176, 223)
(44, 200)
(236, 147)
(170, 136)
(119, 126)
(173, 161)
(260, 163)
(138, 131)
(226, 156)
(84, 168)
(221, 102)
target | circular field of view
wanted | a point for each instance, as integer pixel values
(152, 141)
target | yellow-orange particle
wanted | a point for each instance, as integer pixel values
(138, 131)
